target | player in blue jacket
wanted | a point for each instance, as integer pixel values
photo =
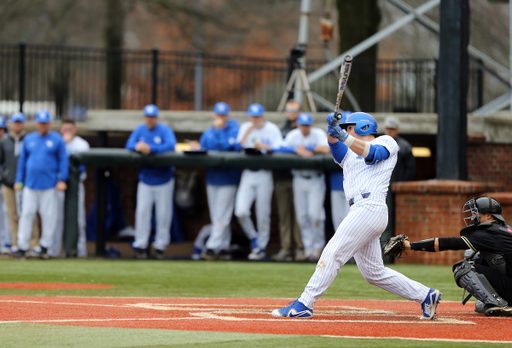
(221, 184)
(42, 171)
(156, 184)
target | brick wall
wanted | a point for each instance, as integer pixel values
(491, 163)
(428, 209)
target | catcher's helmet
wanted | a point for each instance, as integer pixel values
(364, 123)
(482, 205)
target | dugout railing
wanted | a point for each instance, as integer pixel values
(106, 159)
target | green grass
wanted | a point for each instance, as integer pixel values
(197, 279)
(51, 336)
(207, 279)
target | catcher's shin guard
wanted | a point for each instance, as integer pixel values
(477, 285)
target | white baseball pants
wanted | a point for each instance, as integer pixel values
(309, 196)
(339, 207)
(162, 197)
(56, 248)
(255, 186)
(221, 202)
(44, 202)
(359, 236)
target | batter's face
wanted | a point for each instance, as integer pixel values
(305, 130)
(150, 121)
(2, 132)
(43, 128)
(392, 132)
(257, 121)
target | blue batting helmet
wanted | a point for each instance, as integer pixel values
(3, 123)
(221, 108)
(364, 123)
(151, 110)
(344, 116)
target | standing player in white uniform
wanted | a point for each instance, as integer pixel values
(74, 144)
(256, 185)
(156, 185)
(308, 184)
(367, 163)
(221, 183)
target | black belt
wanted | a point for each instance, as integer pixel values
(364, 195)
(254, 170)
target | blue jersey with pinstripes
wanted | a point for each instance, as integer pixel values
(363, 178)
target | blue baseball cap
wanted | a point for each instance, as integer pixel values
(18, 117)
(221, 108)
(151, 110)
(256, 110)
(43, 116)
(304, 119)
(3, 123)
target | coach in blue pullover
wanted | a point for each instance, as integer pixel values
(221, 184)
(156, 185)
(42, 170)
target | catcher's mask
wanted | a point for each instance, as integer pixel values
(481, 205)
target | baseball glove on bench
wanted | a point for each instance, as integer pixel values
(395, 246)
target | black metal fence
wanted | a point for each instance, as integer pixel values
(70, 80)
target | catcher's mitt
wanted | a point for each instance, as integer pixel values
(395, 246)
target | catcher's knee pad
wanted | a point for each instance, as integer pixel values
(476, 284)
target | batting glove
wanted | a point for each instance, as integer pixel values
(332, 119)
(337, 133)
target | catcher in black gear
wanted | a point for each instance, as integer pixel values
(486, 271)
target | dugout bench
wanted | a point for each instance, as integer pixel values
(107, 158)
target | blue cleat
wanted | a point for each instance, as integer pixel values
(430, 304)
(296, 309)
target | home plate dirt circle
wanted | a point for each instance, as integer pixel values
(340, 318)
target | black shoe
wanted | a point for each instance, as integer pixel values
(159, 254)
(209, 255)
(20, 254)
(44, 253)
(497, 311)
(140, 254)
(224, 255)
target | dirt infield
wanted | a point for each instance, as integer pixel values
(349, 318)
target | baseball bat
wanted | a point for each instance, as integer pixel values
(344, 74)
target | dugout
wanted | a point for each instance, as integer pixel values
(489, 142)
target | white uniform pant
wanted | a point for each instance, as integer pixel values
(358, 236)
(309, 196)
(339, 207)
(255, 186)
(162, 197)
(221, 202)
(56, 248)
(5, 233)
(44, 202)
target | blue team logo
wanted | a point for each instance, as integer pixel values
(49, 143)
(157, 140)
(32, 144)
